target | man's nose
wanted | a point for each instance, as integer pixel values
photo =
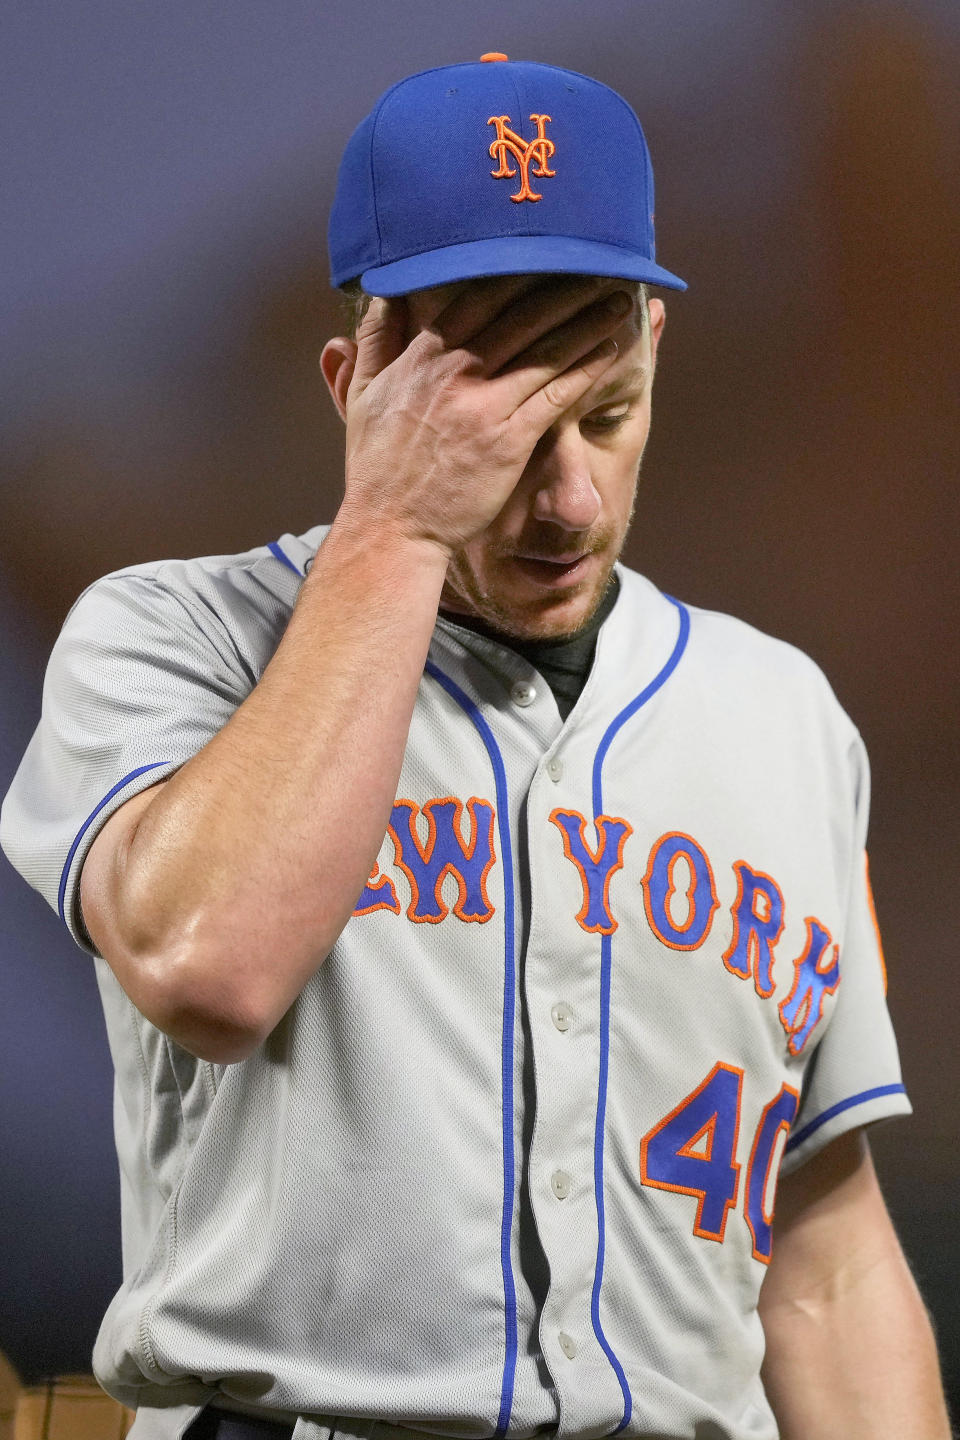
(564, 492)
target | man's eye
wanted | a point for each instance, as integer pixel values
(607, 422)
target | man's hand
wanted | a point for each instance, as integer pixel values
(439, 430)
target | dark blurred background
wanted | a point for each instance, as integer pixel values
(166, 177)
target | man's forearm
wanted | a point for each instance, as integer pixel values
(850, 1349)
(245, 868)
(858, 1365)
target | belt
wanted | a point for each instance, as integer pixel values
(213, 1424)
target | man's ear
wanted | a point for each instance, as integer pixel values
(658, 316)
(337, 362)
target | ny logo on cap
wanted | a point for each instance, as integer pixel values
(508, 143)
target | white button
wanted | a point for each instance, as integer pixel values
(523, 693)
(555, 769)
(560, 1184)
(567, 1344)
(561, 1015)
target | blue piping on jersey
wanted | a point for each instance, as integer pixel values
(507, 1043)
(606, 968)
(89, 821)
(641, 699)
(838, 1109)
(274, 548)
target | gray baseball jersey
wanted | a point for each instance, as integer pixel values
(509, 1160)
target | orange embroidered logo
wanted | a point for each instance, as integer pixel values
(508, 143)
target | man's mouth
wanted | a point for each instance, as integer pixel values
(570, 557)
(553, 569)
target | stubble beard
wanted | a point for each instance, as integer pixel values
(539, 620)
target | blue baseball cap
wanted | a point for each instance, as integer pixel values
(497, 167)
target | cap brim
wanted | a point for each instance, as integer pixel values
(515, 255)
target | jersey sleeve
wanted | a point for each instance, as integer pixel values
(139, 679)
(853, 1077)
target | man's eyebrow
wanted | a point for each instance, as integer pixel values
(606, 392)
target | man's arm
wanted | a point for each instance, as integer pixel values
(216, 900)
(850, 1349)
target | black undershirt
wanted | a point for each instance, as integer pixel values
(564, 662)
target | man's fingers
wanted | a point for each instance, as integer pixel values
(561, 391)
(560, 351)
(470, 314)
(381, 338)
(496, 318)
(539, 315)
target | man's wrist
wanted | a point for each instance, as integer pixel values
(359, 536)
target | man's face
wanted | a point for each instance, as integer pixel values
(542, 566)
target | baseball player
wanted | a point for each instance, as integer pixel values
(485, 938)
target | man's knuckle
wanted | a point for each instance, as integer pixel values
(462, 364)
(556, 392)
(507, 448)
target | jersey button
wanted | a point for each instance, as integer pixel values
(561, 1015)
(560, 1184)
(555, 769)
(567, 1344)
(523, 693)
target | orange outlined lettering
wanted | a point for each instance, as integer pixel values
(444, 853)
(777, 1117)
(669, 1160)
(659, 887)
(758, 921)
(508, 142)
(813, 981)
(377, 895)
(596, 868)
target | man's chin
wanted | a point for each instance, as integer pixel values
(529, 610)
